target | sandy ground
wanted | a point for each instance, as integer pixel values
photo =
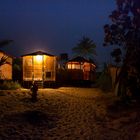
(67, 114)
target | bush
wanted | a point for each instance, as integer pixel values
(104, 82)
(9, 85)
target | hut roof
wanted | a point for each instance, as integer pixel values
(38, 53)
(80, 59)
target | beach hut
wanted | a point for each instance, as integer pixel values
(80, 68)
(5, 66)
(40, 67)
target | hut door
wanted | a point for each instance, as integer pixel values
(38, 72)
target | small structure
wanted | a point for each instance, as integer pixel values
(6, 66)
(80, 68)
(39, 67)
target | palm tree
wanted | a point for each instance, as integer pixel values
(3, 60)
(85, 48)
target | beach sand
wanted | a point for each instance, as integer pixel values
(66, 113)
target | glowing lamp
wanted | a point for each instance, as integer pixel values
(39, 58)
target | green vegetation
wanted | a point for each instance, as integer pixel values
(104, 81)
(9, 85)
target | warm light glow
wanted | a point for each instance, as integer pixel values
(39, 58)
(75, 66)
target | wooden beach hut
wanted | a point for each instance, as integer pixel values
(80, 68)
(5, 66)
(40, 67)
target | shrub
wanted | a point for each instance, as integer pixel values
(104, 82)
(10, 85)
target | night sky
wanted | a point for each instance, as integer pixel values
(54, 26)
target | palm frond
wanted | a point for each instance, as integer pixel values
(85, 48)
(3, 60)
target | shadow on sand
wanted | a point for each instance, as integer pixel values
(35, 118)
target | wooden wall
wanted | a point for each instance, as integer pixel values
(6, 69)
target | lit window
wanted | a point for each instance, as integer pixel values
(69, 66)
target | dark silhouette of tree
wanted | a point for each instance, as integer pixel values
(116, 54)
(85, 48)
(62, 59)
(125, 31)
(17, 69)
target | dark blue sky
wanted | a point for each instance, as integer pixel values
(54, 26)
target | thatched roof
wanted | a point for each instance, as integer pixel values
(80, 59)
(37, 53)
